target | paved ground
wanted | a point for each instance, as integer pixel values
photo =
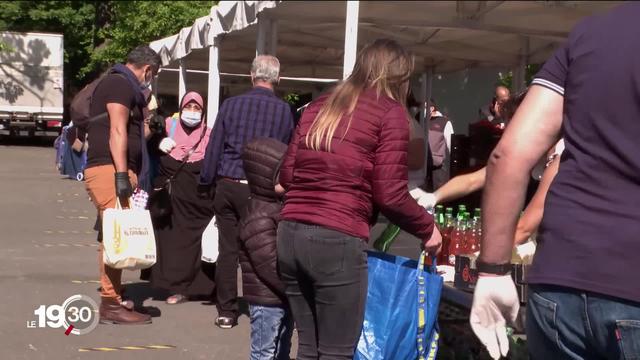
(48, 253)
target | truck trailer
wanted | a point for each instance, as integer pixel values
(31, 84)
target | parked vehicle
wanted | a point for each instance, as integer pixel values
(31, 84)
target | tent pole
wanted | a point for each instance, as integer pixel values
(182, 79)
(426, 83)
(350, 38)
(426, 88)
(154, 86)
(264, 25)
(519, 75)
(213, 85)
(273, 41)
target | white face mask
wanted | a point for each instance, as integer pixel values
(146, 84)
(191, 118)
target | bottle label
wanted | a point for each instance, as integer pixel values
(452, 260)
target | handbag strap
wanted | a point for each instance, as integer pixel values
(188, 155)
(172, 130)
(422, 316)
(119, 204)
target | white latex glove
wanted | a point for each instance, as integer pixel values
(494, 298)
(166, 145)
(424, 199)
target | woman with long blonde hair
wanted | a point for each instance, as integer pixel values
(348, 156)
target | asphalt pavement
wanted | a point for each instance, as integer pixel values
(48, 253)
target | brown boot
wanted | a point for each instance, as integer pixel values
(112, 312)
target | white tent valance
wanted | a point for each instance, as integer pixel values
(226, 17)
(318, 39)
(446, 35)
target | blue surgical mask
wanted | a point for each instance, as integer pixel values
(191, 118)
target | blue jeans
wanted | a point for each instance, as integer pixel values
(564, 323)
(271, 329)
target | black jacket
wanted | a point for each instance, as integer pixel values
(258, 228)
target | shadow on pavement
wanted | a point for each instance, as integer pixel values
(141, 291)
(18, 141)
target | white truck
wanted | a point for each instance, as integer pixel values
(31, 84)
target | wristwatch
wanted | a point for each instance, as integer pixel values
(495, 269)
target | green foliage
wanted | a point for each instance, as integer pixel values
(292, 98)
(506, 79)
(140, 22)
(4, 47)
(98, 34)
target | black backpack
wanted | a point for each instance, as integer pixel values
(80, 107)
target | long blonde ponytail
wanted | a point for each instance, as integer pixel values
(383, 65)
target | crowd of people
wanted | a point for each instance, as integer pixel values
(294, 204)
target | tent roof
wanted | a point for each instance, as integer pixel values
(445, 35)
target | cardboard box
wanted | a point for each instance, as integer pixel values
(467, 276)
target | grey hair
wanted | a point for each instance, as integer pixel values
(144, 55)
(266, 68)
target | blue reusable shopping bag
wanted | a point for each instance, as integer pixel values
(401, 310)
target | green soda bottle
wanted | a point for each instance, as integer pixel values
(439, 216)
(448, 211)
(477, 214)
(388, 236)
(461, 210)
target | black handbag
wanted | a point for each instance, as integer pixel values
(159, 204)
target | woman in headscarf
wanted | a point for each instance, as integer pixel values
(179, 235)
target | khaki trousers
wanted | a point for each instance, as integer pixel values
(101, 185)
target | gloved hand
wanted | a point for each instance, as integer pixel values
(495, 304)
(424, 199)
(166, 145)
(123, 185)
(433, 244)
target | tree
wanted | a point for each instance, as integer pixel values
(5, 47)
(140, 22)
(98, 34)
(506, 79)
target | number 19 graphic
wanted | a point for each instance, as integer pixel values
(78, 315)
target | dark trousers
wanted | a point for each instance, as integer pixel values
(565, 323)
(229, 204)
(325, 277)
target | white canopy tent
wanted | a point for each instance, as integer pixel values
(316, 41)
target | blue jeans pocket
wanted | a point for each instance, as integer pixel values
(544, 314)
(628, 334)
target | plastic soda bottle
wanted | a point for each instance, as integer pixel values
(473, 241)
(461, 210)
(439, 216)
(384, 241)
(477, 213)
(455, 244)
(445, 230)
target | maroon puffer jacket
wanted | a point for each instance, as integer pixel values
(339, 189)
(258, 256)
